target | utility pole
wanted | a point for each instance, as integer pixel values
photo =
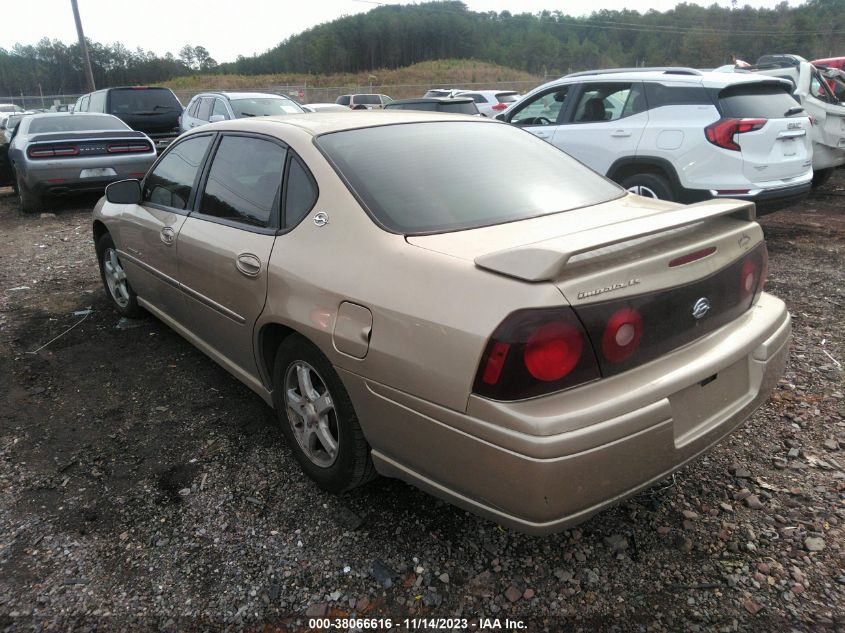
(89, 76)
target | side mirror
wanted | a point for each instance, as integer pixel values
(124, 192)
(216, 118)
(501, 117)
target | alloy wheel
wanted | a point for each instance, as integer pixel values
(311, 413)
(115, 278)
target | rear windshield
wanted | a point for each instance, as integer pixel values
(435, 106)
(758, 102)
(264, 106)
(143, 101)
(75, 123)
(367, 99)
(412, 180)
(507, 97)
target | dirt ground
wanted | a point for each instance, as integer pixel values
(143, 488)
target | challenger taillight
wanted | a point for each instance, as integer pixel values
(51, 151)
(722, 132)
(534, 352)
(127, 148)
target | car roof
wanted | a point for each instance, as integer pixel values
(709, 79)
(43, 115)
(316, 123)
(497, 91)
(241, 95)
(433, 100)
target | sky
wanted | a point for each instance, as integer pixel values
(228, 28)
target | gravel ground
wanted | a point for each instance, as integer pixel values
(142, 488)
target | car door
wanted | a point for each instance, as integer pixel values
(202, 112)
(605, 123)
(225, 245)
(147, 233)
(542, 113)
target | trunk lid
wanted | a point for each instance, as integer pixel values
(680, 270)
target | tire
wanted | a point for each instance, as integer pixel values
(29, 201)
(821, 176)
(310, 433)
(649, 186)
(123, 298)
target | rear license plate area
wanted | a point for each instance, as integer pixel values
(97, 172)
(788, 146)
(703, 406)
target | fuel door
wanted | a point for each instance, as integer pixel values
(352, 329)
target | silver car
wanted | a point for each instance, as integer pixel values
(211, 107)
(59, 153)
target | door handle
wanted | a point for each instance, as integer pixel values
(542, 134)
(168, 235)
(248, 264)
(621, 134)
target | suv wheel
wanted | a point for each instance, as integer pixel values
(317, 418)
(649, 186)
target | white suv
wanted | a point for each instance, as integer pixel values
(678, 133)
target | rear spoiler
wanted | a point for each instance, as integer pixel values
(71, 137)
(547, 259)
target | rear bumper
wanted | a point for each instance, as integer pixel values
(767, 200)
(542, 465)
(58, 177)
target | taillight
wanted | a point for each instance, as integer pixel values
(622, 335)
(535, 352)
(722, 132)
(753, 273)
(41, 151)
(500, 106)
(123, 148)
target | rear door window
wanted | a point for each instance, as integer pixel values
(757, 101)
(608, 102)
(344, 100)
(172, 181)
(244, 180)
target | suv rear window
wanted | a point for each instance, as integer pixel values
(367, 99)
(143, 101)
(756, 101)
(659, 95)
(453, 190)
(507, 97)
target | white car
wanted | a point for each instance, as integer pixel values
(678, 133)
(490, 102)
(813, 92)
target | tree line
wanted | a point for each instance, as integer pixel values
(393, 36)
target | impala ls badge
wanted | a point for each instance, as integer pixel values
(701, 307)
(321, 219)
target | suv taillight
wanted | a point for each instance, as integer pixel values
(535, 352)
(722, 132)
(500, 106)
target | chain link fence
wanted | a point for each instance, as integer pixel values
(300, 92)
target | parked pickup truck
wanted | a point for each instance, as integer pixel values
(813, 92)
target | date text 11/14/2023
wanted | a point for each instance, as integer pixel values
(402, 625)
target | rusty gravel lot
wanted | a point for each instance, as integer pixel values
(143, 488)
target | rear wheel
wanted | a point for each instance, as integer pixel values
(649, 186)
(317, 418)
(29, 201)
